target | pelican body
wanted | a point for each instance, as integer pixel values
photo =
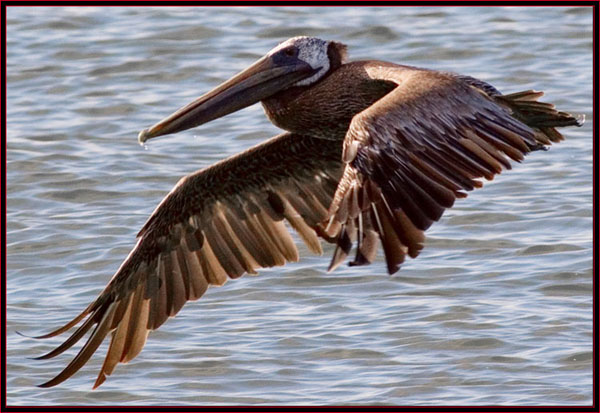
(372, 154)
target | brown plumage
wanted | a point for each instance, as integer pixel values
(374, 153)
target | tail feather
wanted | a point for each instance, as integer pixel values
(541, 116)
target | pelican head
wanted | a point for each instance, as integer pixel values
(299, 61)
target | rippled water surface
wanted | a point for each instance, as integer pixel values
(496, 310)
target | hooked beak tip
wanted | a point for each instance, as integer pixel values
(143, 136)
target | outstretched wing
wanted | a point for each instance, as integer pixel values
(220, 222)
(417, 149)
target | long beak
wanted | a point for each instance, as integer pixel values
(261, 80)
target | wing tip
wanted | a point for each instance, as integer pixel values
(24, 335)
(101, 378)
(51, 383)
(333, 265)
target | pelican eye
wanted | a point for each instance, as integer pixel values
(290, 51)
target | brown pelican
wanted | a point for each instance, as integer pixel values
(373, 152)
